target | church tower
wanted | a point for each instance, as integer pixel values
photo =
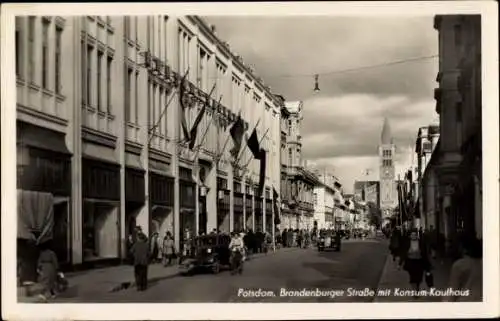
(388, 192)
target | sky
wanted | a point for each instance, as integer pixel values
(342, 123)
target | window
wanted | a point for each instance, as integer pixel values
(128, 93)
(202, 81)
(58, 60)
(45, 54)
(290, 157)
(136, 93)
(19, 53)
(126, 24)
(90, 50)
(315, 198)
(31, 48)
(108, 83)
(184, 44)
(100, 55)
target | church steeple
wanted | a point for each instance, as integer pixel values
(386, 137)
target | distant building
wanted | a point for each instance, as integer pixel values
(324, 200)
(367, 191)
(388, 192)
(425, 144)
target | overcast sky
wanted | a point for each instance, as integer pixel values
(343, 123)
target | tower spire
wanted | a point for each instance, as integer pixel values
(386, 137)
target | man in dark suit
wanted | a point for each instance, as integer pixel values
(140, 253)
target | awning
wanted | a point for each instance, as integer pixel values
(35, 216)
(43, 138)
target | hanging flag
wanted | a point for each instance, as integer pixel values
(277, 213)
(194, 130)
(254, 145)
(237, 131)
(262, 174)
(182, 93)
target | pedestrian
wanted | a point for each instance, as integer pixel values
(168, 249)
(467, 272)
(140, 251)
(47, 267)
(395, 243)
(153, 247)
(283, 237)
(415, 259)
(295, 235)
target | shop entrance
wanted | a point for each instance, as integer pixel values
(101, 230)
(61, 232)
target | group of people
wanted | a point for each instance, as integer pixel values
(296, 238)
(413, 250)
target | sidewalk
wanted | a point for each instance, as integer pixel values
(115, 278)
(392, 278)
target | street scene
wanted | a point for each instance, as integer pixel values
(192, 159)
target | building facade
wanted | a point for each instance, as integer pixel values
(427, 139)
(324, 200)
(388, 192)
(105, 137)
(367, 191)
(456, 163)
(297, 207)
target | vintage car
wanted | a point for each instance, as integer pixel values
(209, 253)
(329, 240)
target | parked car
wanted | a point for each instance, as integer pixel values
(329, 240)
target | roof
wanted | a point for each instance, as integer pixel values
(386, 137)
(293, 106)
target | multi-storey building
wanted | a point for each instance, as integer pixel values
(298, 209)
(367, 191)
(100, 128)
(457, 158)
(324, 204)
(388, 192)
(427, 139)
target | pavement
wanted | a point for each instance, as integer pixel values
(396, 281)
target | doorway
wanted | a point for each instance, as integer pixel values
(61, 231)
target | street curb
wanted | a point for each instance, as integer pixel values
(388, 261)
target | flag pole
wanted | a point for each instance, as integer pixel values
(207, 129)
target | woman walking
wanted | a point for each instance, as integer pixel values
(47, 269)
(415, 259)
(168, 249)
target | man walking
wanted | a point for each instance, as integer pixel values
(140, 253)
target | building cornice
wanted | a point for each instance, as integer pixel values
(235, 60)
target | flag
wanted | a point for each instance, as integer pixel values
(277, 214)
(182, 91)
(262, 174)
(237, 131)
(254, 145)
(194, 130)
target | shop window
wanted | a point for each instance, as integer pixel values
(100, 231)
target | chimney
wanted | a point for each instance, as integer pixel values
(214, 30)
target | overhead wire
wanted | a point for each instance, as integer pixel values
(354, 69)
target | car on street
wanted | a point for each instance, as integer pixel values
(329, 239)
(209, 253)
